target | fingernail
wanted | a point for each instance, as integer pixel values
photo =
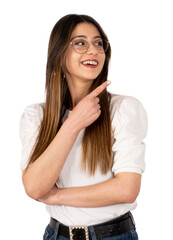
(108, 82)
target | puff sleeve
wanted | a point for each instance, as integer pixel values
(28, 131)
(130, 127)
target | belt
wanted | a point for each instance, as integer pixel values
(110, 228)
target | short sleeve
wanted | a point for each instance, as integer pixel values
(28, 131)
(130, 128)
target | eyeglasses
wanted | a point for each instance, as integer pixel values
(82, 46)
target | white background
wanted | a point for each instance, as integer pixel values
(141, 36)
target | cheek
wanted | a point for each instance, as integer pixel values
(102, 61)
(72, 60)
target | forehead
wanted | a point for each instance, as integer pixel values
(85, 29)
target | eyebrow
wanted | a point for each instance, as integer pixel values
(83, 36)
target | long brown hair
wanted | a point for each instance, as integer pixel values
(97, 140)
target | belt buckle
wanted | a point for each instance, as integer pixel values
(85, 228)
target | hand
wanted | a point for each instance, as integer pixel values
(50, 198)
(88, 109)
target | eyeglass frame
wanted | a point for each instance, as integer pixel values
(108, 44)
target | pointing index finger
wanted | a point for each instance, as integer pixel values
(100, 88)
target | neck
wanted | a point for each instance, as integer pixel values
(78, 89)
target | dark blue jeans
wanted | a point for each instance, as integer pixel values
(51, 235)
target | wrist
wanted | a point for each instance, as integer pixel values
(59, 197)
(72, 125)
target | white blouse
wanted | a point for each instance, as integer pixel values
(129, 123)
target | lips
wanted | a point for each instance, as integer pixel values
(90, 63)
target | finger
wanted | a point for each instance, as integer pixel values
(92, 94)
(98, 105)
(100, 88)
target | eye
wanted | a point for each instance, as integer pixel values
(99, 43)
(79, 43)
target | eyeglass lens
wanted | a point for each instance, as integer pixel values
(81, 45)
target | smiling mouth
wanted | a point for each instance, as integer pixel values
(90, 63)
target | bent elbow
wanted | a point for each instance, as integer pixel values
(129, 186)
(32, 188)
(31, 192)
(131, 196)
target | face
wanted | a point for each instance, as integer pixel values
(88, 65)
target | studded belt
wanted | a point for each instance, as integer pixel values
(110, 228)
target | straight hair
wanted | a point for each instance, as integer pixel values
(97, 139)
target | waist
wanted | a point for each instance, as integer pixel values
(88, 216)
(110, 228)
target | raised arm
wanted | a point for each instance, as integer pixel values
(41, 175)
(130, 128)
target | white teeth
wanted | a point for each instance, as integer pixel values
(90, 63)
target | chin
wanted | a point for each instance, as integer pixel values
(90, 76)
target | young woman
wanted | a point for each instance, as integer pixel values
(83, 150)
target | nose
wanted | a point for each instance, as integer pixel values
(92, 49)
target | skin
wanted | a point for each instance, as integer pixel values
(81, 77)
(124, 187)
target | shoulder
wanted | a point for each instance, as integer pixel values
(118, 102)
(32, 116)
(125, 109)
(30, 122)
(34, 110)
